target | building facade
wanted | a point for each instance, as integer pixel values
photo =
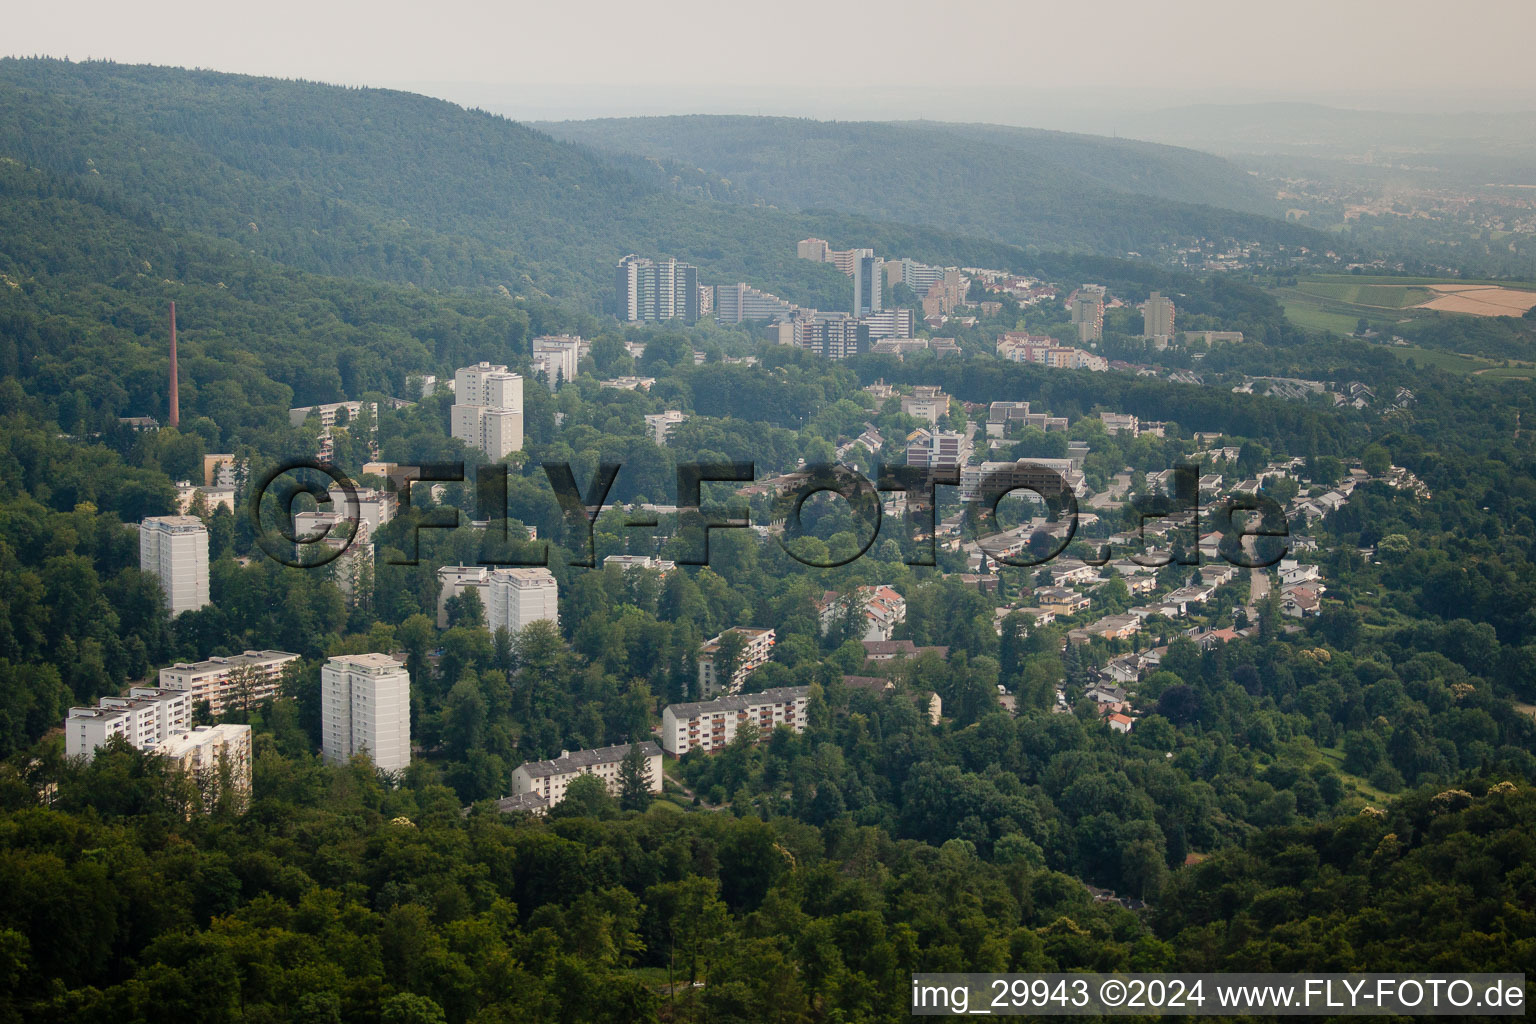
(556, 357)
(757, 648)
(649, 291)
(516, 597)
(453, 580)
(549, 779)
(868, 275)
(217, 758)
(146, 719)
(1157, 319)
(175, 550)
(661, 424)
(225, 683)
(365, 706)
(156, 720)
(488, 409)
(710, 725)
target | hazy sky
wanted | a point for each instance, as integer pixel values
(831, 58)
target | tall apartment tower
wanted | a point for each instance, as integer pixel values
(1088, 313)
(653, 290)
(175, 549)
(365, 705)
(488, 409)
(868, 275)
(1157, 318)
(516, 597)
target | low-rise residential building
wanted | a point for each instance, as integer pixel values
(218, 760)
(926, 402)
(756, 649)
(146, 719)
(156, 720)
(937, 449)
(1299, 602)
(1070, 571)
(630, 383)
(890, 650)
(882, 607)
(710, 725)
(1216, 575)
(242, 680)
(1061, 601)
(1114, 422)
(549, 779)
(187, 494)
(627, 562)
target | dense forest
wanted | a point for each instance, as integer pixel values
(1041, 190)
(1352, 792)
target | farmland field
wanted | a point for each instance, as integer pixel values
(1337, 302)
(1386, 296)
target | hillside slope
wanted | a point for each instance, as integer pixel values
(404, 188)
(1030, 188)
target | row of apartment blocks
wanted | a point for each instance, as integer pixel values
(217, 758)
(1023, 347)
(704, 725)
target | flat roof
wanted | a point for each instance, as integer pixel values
(216, 662)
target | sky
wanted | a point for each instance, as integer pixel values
(1023, 62)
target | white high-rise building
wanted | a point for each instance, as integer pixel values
(365, 705)
(488, 409)
(517, 597)
(175, 549)
(556, 357)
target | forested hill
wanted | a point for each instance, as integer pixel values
(1015, 185)
(400, 187)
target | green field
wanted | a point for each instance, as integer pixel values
(1337, 302)
(1456, 362)
(1378, 296)
(1528, 286)
(1315, 313)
